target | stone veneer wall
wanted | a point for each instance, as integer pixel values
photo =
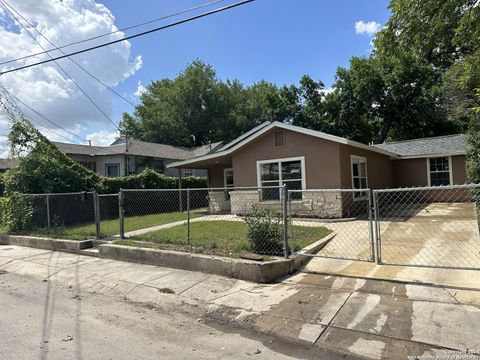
(217, 202)
(319, 204)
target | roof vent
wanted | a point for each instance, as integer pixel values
(279, 138)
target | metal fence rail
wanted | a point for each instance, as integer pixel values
(428, 227)
(345, 213)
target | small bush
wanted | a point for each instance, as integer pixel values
(16, 212)
(264, 230)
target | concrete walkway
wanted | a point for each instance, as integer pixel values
(370, 318)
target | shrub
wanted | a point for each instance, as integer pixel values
(16, 212)
(149, 179)
(264, 230)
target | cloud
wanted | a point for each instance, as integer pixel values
(140, 89)
(102, 138)
(369, 28)
(46, 88)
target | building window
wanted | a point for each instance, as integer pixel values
(279, 138)
(289, 172)
(439, 171)
(187, 172)
(228, 181)
(112, 170)
(359, 176)
(90, 165)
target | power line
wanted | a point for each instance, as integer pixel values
(13, 103)
(45, 118)
(22, 114)
(115, 32)
(76, 63)
(131, 36)
(60, 67)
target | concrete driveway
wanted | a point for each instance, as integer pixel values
(439, 234)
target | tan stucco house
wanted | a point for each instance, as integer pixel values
(273, 154)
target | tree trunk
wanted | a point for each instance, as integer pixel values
(387, 124)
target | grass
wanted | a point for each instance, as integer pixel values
(110, 227)
(222, 237)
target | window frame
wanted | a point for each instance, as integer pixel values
(225, 178)
(450, 170)
(280, 180)
(361, 196)
(112, 164)
(185, 170)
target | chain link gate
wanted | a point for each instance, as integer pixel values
(434, 227)
(345, 213)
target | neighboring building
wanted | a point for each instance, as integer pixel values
(120, 159)
(273, 154)
(6, 164)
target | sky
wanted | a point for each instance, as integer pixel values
(273, 40)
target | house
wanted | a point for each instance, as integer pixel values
(132, 157)
(6, 164)
(273, 154)
(122, 158)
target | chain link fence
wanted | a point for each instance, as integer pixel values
(223, 221)
(344, 214)
(430, 226)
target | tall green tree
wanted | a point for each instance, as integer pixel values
(196, 108)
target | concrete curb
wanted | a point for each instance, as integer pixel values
(45, 243)
(261, 272)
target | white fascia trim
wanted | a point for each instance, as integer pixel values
(269, 161)
(281, 125)
(431, 155)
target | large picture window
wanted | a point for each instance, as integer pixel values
(439, 171)
(359, 176)
(289, 172)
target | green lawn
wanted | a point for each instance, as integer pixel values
(222, 237)
(111, 227)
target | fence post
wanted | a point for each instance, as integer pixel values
(188, 216)
(96, 210)
(377, 228)
(121, 214)
(370, 226)
(285, 220)
(47, 200)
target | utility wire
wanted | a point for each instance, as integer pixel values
(69, 58)
(13, 103)
(131, 36)
(115, 32)
(22, 114)
(45, 118)
(59, 66)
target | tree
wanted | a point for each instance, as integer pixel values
(196, 108)
(45, 169)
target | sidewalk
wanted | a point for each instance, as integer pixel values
(371, 318)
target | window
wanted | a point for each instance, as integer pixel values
(439, 171)
(228, 182)
(279, 138)
(289, 172)
(187, 172)
(359, 176)
(228, 177)
(112, 170)
(91, 165)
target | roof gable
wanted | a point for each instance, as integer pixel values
(262, 129)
